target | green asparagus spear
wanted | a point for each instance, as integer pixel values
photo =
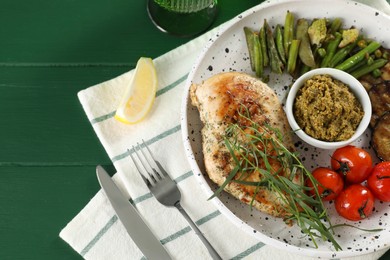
(249, 36)
(331, 50)
(279, 43)
(292, 56)
(275, 62)
(356, 66)
(288, 33)
(258, 56)
(350, 62)
(379, 63)
(341, 54)
(263, 42)
(305, 53)
(335, 25)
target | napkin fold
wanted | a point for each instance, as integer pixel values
(96, 232)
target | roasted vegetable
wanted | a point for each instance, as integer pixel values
(321, 42)
(258, 56)
(331, 50)
(249, 36)
(275, 62)
(369, 67)
(288, 33)
(335, 25)
(305, 51)
(381, 137)
(349, 36)
(380, 100)
(292, 56)
(350, 62)
(317, 31)
(386, 71)
(341, 54)
(279, 43)
(264, 47)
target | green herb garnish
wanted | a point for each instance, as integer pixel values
(255, 148)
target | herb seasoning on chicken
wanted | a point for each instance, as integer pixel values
(248, 151)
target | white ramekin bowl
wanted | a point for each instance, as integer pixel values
(354, 85)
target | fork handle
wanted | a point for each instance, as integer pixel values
(209, 247)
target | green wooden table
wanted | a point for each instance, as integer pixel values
(50, 50)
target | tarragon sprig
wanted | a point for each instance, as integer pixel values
(252, 147)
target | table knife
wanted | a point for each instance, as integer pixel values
(136, 227)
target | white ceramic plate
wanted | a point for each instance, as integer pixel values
(227, 51)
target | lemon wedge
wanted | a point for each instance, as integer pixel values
(140, 93)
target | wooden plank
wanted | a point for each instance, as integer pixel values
(36, 203)
(50, 50)
(42, 121)
(87, 31)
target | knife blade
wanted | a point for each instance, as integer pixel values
(135, 226)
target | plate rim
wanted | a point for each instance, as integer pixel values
(198, 173)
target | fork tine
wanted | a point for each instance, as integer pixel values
(155, 161)
(149, 180)
(151, 176)
(148, 161)
(162, 169)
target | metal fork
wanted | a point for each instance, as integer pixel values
(163, 187)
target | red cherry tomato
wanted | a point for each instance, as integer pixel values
(330, 183)
(379, 181)
(355, 202)
(352, 162)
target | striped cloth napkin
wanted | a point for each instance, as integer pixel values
(96, 232)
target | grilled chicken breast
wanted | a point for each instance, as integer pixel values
(218, 100)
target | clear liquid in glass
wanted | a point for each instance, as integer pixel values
(182, 17)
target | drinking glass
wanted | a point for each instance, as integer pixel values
(182, 17)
